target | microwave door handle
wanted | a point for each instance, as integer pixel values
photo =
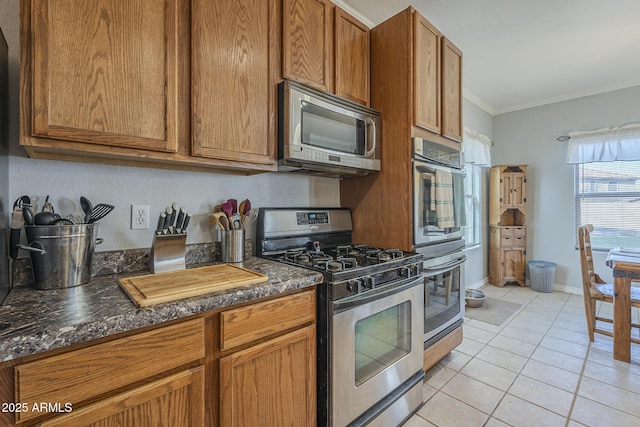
(373, 138)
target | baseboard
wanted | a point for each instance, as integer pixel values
(567, 289)
(478, 284)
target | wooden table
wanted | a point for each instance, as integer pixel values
(626, 269)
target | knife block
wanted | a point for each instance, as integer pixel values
(168, 252)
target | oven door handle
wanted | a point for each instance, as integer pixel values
(442, 268)
(346, 304)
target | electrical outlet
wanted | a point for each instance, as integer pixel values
(139, 217)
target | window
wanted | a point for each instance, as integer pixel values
(472, 205)
(608, 196)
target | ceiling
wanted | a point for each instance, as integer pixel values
(523, 53)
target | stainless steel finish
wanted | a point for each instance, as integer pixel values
(436, 153)
(436, 235)
(348, 400)
(67, 261)
(444, 264)
(283, 222)
(168, 253)
(232, 245)
(296, 155)
(395, 414)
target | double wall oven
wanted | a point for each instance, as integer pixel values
(438, 234)
(369, 315)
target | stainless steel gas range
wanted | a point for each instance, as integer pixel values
(369, 315)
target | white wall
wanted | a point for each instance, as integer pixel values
(529, 137)
(477, 265)
(122, 186)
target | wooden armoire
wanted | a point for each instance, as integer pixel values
(507, 224)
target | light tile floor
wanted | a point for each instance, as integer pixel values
(536, 369)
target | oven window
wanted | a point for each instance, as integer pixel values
(381, 340)
(334, 131)
(442, 298)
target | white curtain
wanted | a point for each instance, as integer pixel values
(604, 145)
(476, 148)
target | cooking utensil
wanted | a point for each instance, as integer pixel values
(227, 208)
(44, 218)
(174, 212)
(62, 221)
(180, 220)
(216, 219)
(27, 215)
(17, 221)
(87, 207)
(244, 210)
(224, 222)
(99, 211)
(187, 218)
(161, 219)
(47, 207)
(234, 205)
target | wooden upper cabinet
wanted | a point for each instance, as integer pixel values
(352, 58)
(234, 71)
(105, 72)
(437, 68)
(427, 74)
(451, 91)
(307, 47)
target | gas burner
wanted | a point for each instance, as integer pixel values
(338, 264)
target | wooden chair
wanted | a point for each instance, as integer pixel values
(596, 289)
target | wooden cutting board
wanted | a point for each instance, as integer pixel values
(157, 288)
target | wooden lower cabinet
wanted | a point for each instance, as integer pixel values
(249, 365)
(177, 401)
(507, 255)
(272, 383)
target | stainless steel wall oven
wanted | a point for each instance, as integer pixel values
(438, 234)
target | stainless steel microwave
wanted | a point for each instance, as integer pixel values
(323, 134)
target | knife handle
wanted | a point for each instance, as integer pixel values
(180, 219)
(185, 224)
(160, 225)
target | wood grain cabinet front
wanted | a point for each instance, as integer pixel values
(90, 373)
(105, 72)
(234, 72)
(268, 375)
(182, 84)
(327, 48)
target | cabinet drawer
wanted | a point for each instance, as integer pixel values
(512, 231)
(512, 241)
(81, 374)
(245, 324)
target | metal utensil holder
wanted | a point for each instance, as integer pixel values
(168, 252)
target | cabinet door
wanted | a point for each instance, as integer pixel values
(451, 91)
(351, 58)
(177, 400)
(307, 49)
(513, 264)
(513, 190)
(105, 72)
(233, 80)
(273, 383)
(427, 74)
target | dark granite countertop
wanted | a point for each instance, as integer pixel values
(33, 321)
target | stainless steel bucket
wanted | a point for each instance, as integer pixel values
(68, 250)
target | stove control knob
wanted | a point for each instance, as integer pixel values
(367, 282)
(353, 286)
(405, 272)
